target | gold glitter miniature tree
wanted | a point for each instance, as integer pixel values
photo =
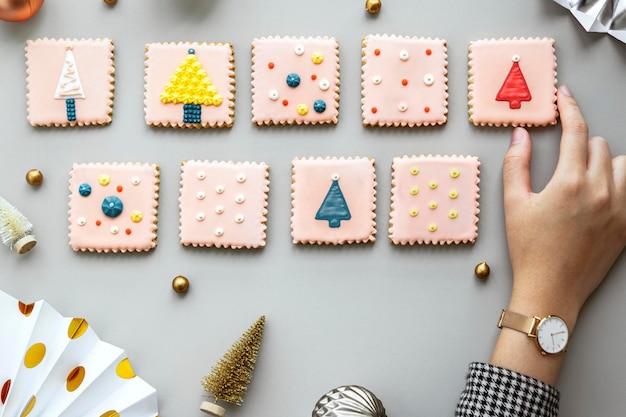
(15, 229)
(191, 87)
(229, 378)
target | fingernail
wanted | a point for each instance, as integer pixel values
(565, 90)
(517, 135)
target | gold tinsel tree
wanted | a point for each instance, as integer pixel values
(229, 378)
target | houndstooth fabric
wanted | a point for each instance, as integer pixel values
(497, 392)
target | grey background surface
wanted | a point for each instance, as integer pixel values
(402, 321)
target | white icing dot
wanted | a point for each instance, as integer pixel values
(299, 49)
(219, 209)
(135, 180)
(219, 189)
(404, 55)
(200, 195)
(515, 58)
(239, 218)
(403, 107)
(429, 79)
(81, 221)
(241, 177)
(201, 175)
(377, 79)
(219, 231)
(334, 177)
(114, 230)
(324, 84)
(200, 216)
(274, 95)
(240, 198)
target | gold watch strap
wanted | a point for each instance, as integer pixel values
(518, 322)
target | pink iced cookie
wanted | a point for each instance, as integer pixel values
(113, 207)
(295, 80)
(512, 82)
(223, 204)
(69, 82)
(434, 199)
(404, 81)
(190, 85)
(333, 201)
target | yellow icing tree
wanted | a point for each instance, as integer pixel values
(229, 378)
(191, 87)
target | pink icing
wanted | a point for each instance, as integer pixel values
(44, 61)
(162, 61)
(490, 62)
(402, 81)
(312, 179)
(142, 196)
(220, 210)
(418, 171)
(280, 54)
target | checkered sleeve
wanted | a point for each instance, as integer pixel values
(497, 392)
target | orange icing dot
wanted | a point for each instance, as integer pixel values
(376, 52)
(270, 65)
(313, 77)
(405, 81)
(119, 188)
(426, 109)
(128, 231)
(374, 110)
(285, 102)
(429, 51)
(98, 222)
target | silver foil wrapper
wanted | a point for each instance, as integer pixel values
(349, 401)
(606, 16)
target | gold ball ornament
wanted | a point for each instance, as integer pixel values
(34, 177)
(18, 10)
(110, 1)
(482, 270)
(180, 284)
(373, 6)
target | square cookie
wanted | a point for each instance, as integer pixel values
(512, 82)
(403, 81)
(434, 199)
(295, 80)
(69, 82)
(333, 201)
(113, 207)
(190, 85)
(223, 204)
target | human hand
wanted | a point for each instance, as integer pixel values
(564, 239)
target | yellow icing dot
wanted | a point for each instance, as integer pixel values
(302, 109)
(454, 172)
(317, 58)
(34, 355)
(432, 205)
(75, 378)
(414, 190)
(124, 370)
(432, 184)
(432, 227)
(453, 193)
(452, 214)
(77, 328)
(104, 179)
(415, 170)
(136, 216)
(413, 212)
(191, 85)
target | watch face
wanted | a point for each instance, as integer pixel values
(552, 334)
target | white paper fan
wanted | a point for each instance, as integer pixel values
(55, 366)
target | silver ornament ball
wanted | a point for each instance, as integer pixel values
(349, 401)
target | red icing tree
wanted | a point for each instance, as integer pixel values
(514, 89)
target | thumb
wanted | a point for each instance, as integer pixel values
(516, 167)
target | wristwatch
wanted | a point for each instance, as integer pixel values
(550, 333)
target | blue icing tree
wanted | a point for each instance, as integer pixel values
(334, 208)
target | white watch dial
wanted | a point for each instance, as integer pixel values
(552, 334)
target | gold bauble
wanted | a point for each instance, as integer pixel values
(110, 1)
(373, 6)
(19, 10)
(482, 270)
(180, 284)
(34, 177)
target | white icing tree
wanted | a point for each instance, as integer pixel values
(69, 86)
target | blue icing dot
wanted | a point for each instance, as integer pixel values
(319, 106)
(84, 189)
(112, 206)
(191, 51)
(293, 80)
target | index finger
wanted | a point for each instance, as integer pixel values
(575, 136)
